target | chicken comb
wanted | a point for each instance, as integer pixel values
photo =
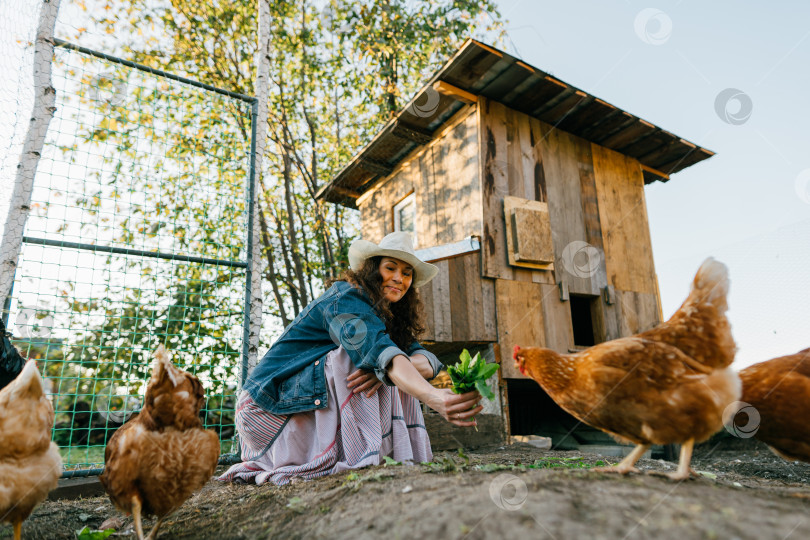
(515, 352)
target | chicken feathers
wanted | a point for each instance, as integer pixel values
(667, 385)
(154, 462)
(30, 464)
(778, 389)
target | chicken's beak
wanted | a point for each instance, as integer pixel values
(519, 363)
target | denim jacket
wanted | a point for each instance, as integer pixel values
(290, 378)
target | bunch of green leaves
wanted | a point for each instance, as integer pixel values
(471, 374)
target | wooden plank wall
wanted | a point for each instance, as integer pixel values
(494, 144)
(520, 320)
(524, 157)
(377, 212)
(459, 305)
(530, 315)
(445, 177)
(623, 218)
(639, 312)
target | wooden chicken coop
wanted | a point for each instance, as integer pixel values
(528, 193)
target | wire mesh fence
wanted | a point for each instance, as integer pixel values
(138, 235)
(17, 30)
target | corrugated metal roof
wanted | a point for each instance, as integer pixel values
(482, 70)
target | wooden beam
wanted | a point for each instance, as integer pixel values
(575, 102)
(656, 172)
(375, 166)
(345, 192)
(446, 251)
(558, 82)
(687, 143)
(411, 133)
(605, 103)
(488, 48)
(453, 91)
(628, 135)
(565, 96)
(75, 488)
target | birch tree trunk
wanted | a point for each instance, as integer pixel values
(260, 91)
(41, 114)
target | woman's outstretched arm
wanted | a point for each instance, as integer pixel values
(422, 365)
(455, 408)
(366, 381)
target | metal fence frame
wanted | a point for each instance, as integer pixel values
(250, 195)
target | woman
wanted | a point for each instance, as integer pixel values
(341, 387)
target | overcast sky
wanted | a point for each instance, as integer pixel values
(676, 64)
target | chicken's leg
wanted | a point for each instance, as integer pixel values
(136, 514)
(684, 469)
(153, 532)
(18, 529)
(627, 465)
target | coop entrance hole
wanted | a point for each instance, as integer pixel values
(583, 309)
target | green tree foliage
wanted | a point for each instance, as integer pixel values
(338, 69)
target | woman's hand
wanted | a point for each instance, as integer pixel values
(361, 380)
(455, 408)
(422, 365)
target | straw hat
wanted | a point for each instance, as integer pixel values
(397, 245)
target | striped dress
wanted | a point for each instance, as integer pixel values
(353, 431)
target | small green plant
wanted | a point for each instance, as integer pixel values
(89, 534)
(493, 467)
(297, 505)
(448, 463)
(354, 481)
(390, 462)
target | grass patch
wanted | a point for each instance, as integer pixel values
(82, 457)
(92, 457)
(563, 463)
(543, 463)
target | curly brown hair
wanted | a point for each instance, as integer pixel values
(403, 319)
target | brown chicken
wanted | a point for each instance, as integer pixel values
(667, 385)
(30, 464)
(779, 391)
(156, 461)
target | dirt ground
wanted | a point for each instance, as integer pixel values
(746, 492)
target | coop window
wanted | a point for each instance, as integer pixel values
(582, 319)
(405, 215)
